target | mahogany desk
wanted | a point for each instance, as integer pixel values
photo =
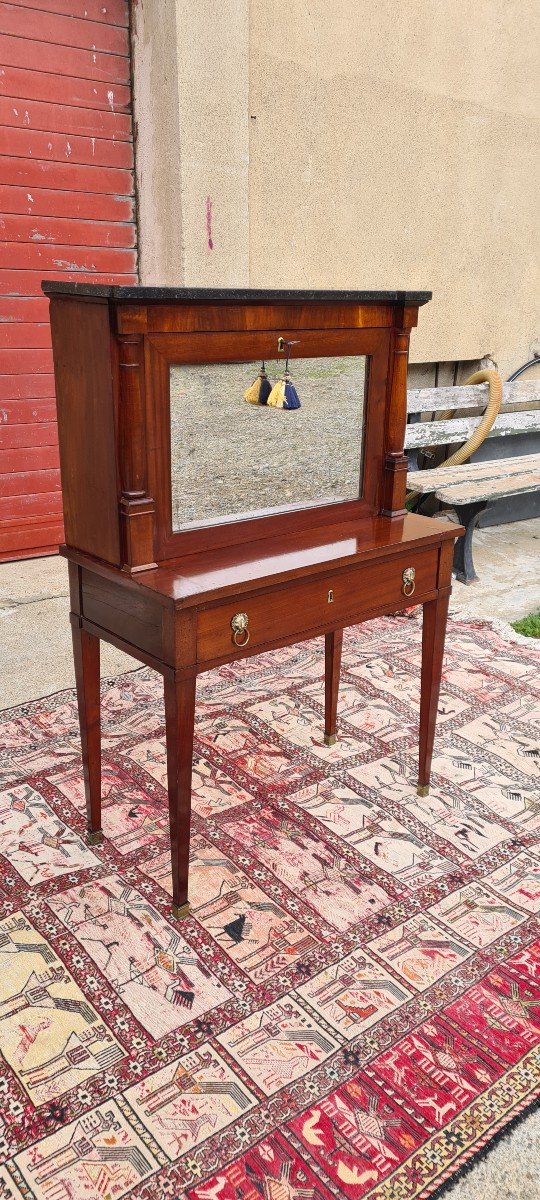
(186, 601)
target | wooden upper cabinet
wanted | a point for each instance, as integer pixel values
(118, 352)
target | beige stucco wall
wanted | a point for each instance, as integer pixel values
(348, 144)
(191, 90)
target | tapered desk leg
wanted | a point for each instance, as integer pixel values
(332, 665)
(179, 722)
(433, 634)
(86, 658)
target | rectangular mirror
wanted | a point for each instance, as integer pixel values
(233, 458)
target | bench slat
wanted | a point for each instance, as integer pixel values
(483, 480)
(470, 493)
(475, 395)
(441, 433)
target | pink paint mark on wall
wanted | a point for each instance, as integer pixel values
(209, 222)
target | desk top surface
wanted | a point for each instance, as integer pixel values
(211, 575)
(168, 295)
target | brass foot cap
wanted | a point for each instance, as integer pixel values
(423, 789)
(330, 739)
(180, 911)
(94, 837)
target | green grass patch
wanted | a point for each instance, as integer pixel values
(530, 626)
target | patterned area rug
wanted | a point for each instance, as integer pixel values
(353, 1008)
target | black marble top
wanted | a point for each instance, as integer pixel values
(144, 295)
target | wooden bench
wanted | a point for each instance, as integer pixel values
(471, 487)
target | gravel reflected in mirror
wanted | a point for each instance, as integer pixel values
(231, 458)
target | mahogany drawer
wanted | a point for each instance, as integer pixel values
(332, 600)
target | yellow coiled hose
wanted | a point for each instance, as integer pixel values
(477, 437)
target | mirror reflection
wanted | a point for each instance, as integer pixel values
(232, 456)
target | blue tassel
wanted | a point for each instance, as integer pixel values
(265, 389)
(292, 399)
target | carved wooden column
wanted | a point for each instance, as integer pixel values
(395, 460)
(136, 507)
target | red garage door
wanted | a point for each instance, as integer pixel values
(66, 209)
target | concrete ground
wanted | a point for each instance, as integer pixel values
(507, 561)
(35, 634)
(35, 660)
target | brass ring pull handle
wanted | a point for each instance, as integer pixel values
(239, 626)
(409, 584)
